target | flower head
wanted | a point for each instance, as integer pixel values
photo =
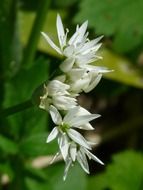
(71, 143)
(78, 50)
(56, 93)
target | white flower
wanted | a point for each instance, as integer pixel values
(78, 50)
(80, 154)
(85, 79)
(56, 93)
(71, 143)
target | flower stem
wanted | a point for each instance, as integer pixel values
(35, 33)
(17, 108)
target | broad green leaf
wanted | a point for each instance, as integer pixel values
(21, 88)
(124, 172)
(7, 145)
(122, 18)
(123, 70)
(34, 184)
(76, 178)
(35, 145)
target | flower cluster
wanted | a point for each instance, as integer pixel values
(59, 96)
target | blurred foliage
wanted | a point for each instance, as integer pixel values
(124, 172)
(118, 97)
(121, 19)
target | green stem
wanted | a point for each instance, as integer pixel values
(35, 33)
(15, 109)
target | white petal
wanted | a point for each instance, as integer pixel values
(81, 158)
(67, 64)
(69, 51)
(90, 44)
(56, 87)
(56, 117)
(73, 151)
(86, 126)
(51, 43)
(54, 158)
(93, 157)
(60, 31)
(68, 164)
(61, 78)
(80, 120)
(78, 138)
(75, 74)
(64, 102)
(52, 135)
(77, 86)
(71, 114)
(93, 84)
(64, 146)
(79, 34)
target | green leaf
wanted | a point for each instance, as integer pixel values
(21, 88)
(76, 178)
(54, 179)
(35, 145)
(7, 145)
(122, 18)
(5, 168)
(125, 172)
(123, 70)
(33, 184)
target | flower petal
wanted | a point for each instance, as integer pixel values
(79, 34)
(73, 151)
(54, 158)
(71, 114)
(52, 135)
(80, 120)
(51, 43)
(90, 44)
(60, 31)
(56, 117)
(78, 138)
(67, 64)
(76, 74)
(93, 83)
(86, 126)
(92, 156)
(81, 158)
(64, 146)
(68, 164)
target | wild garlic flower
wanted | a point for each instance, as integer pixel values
(56, 93)
(80, 154)
(78, 50)
(71, 143)
(84, 79)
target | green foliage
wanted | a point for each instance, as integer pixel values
(7, 145)
(35, 145)
(122, 18)
(5, 168)
(123, 70)
(64, 3)
(54, 179)
(125, 172)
